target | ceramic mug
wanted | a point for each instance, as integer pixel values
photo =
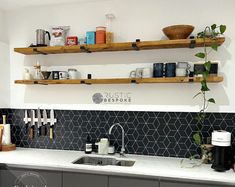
(138, 73)
(170, 69)
(147, 73)
(63, 75)
(158, 69)
(184, 65)
(181, 72)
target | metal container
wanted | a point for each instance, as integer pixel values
(41, 37)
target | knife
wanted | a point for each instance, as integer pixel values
(39, 122)
(32, 124)
(44, 125)
(26, 122)
(52, 122)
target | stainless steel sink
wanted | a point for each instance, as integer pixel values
(104, 161)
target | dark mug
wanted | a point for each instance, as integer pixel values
(158, 70)
(55, 75)
(170, 69)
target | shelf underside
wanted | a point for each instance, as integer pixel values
(212, 79)
(125, 46)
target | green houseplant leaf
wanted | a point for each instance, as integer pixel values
(197, 138)
(200, 55)
(213, 27)
(204, 86)
(207, 65)
(222, 29)
(211, 100)
(215, 46)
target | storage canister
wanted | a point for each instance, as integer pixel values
(100, 35)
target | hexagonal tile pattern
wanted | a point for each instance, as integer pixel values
(148, 133)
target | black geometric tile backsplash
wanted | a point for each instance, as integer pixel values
(148, 133)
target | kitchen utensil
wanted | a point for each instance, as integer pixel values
(26, 122)
(39, 122)
(32, 124)
(1, 134)
(158, 69)
(44, 126)
(170, 69)
(223, 154)
(46, 74)
(41, 37)
(176, 32)
(52, 123)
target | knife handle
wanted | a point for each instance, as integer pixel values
(31, 133)
(51, 133)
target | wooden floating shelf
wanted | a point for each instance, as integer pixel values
(125, 46)
(212, 79)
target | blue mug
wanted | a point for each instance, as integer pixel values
(170, 69)
(158, 69)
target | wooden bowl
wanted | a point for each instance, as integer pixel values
(176, 32)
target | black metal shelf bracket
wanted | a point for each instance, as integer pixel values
(82, 48)
(133, 81)
(37, 51)
(192, 44)
(134, 45)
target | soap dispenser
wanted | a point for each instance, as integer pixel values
(88, 145)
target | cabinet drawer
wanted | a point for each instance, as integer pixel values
(186, 184)
(24, 177)
(132, 182)
(84, 180)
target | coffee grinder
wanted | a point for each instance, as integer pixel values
(222, 153)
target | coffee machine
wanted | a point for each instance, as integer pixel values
(222, 153)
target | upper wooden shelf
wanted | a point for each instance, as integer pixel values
(125, 46)
(212, 79)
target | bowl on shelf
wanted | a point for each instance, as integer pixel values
(176, 32)
(46, 74)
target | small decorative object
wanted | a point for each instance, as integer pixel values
(72, 40)
(46, 74)
(27, 75)
(37, 73)
(176, 32)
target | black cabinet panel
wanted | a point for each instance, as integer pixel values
(187, 184)
(84, 180)
(132, 182)
(29, 178)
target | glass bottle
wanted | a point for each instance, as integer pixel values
(109, 29)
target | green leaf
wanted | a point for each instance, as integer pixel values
(197, 138)
(213, 27)
(200, 55)
(205, 74)
(204, 86)
(211, 100)
(215, 46)
(222, 29)
(207, 65)
(199, 93)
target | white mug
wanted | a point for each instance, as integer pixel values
(181, 72)
(73, 74)
(147, 73)
(184, 65)
(138, 73)
(63, 75)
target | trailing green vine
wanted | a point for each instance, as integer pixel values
(212, 33)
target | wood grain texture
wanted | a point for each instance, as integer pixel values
(125, 46)
(212, 79)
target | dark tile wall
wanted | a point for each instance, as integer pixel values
(148, 133)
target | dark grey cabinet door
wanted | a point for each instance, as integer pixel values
(35, 178)
(132, 182)
(84, 180)
(187, 184)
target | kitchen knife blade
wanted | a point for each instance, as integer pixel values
(39, 122)
(52, 122)
(44, 126)
(32, 124)
(26, 122)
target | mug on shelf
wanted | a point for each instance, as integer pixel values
(158, 69)
(138, 73)
(170, 69)
(63, 75)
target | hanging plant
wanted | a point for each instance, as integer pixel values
(212, 32)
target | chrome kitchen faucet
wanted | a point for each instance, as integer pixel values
(123, 134)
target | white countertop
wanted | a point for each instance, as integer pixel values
(145, 166)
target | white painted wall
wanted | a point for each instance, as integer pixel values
(4, 65)
(135, 19)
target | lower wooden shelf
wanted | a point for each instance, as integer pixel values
(212, 79)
